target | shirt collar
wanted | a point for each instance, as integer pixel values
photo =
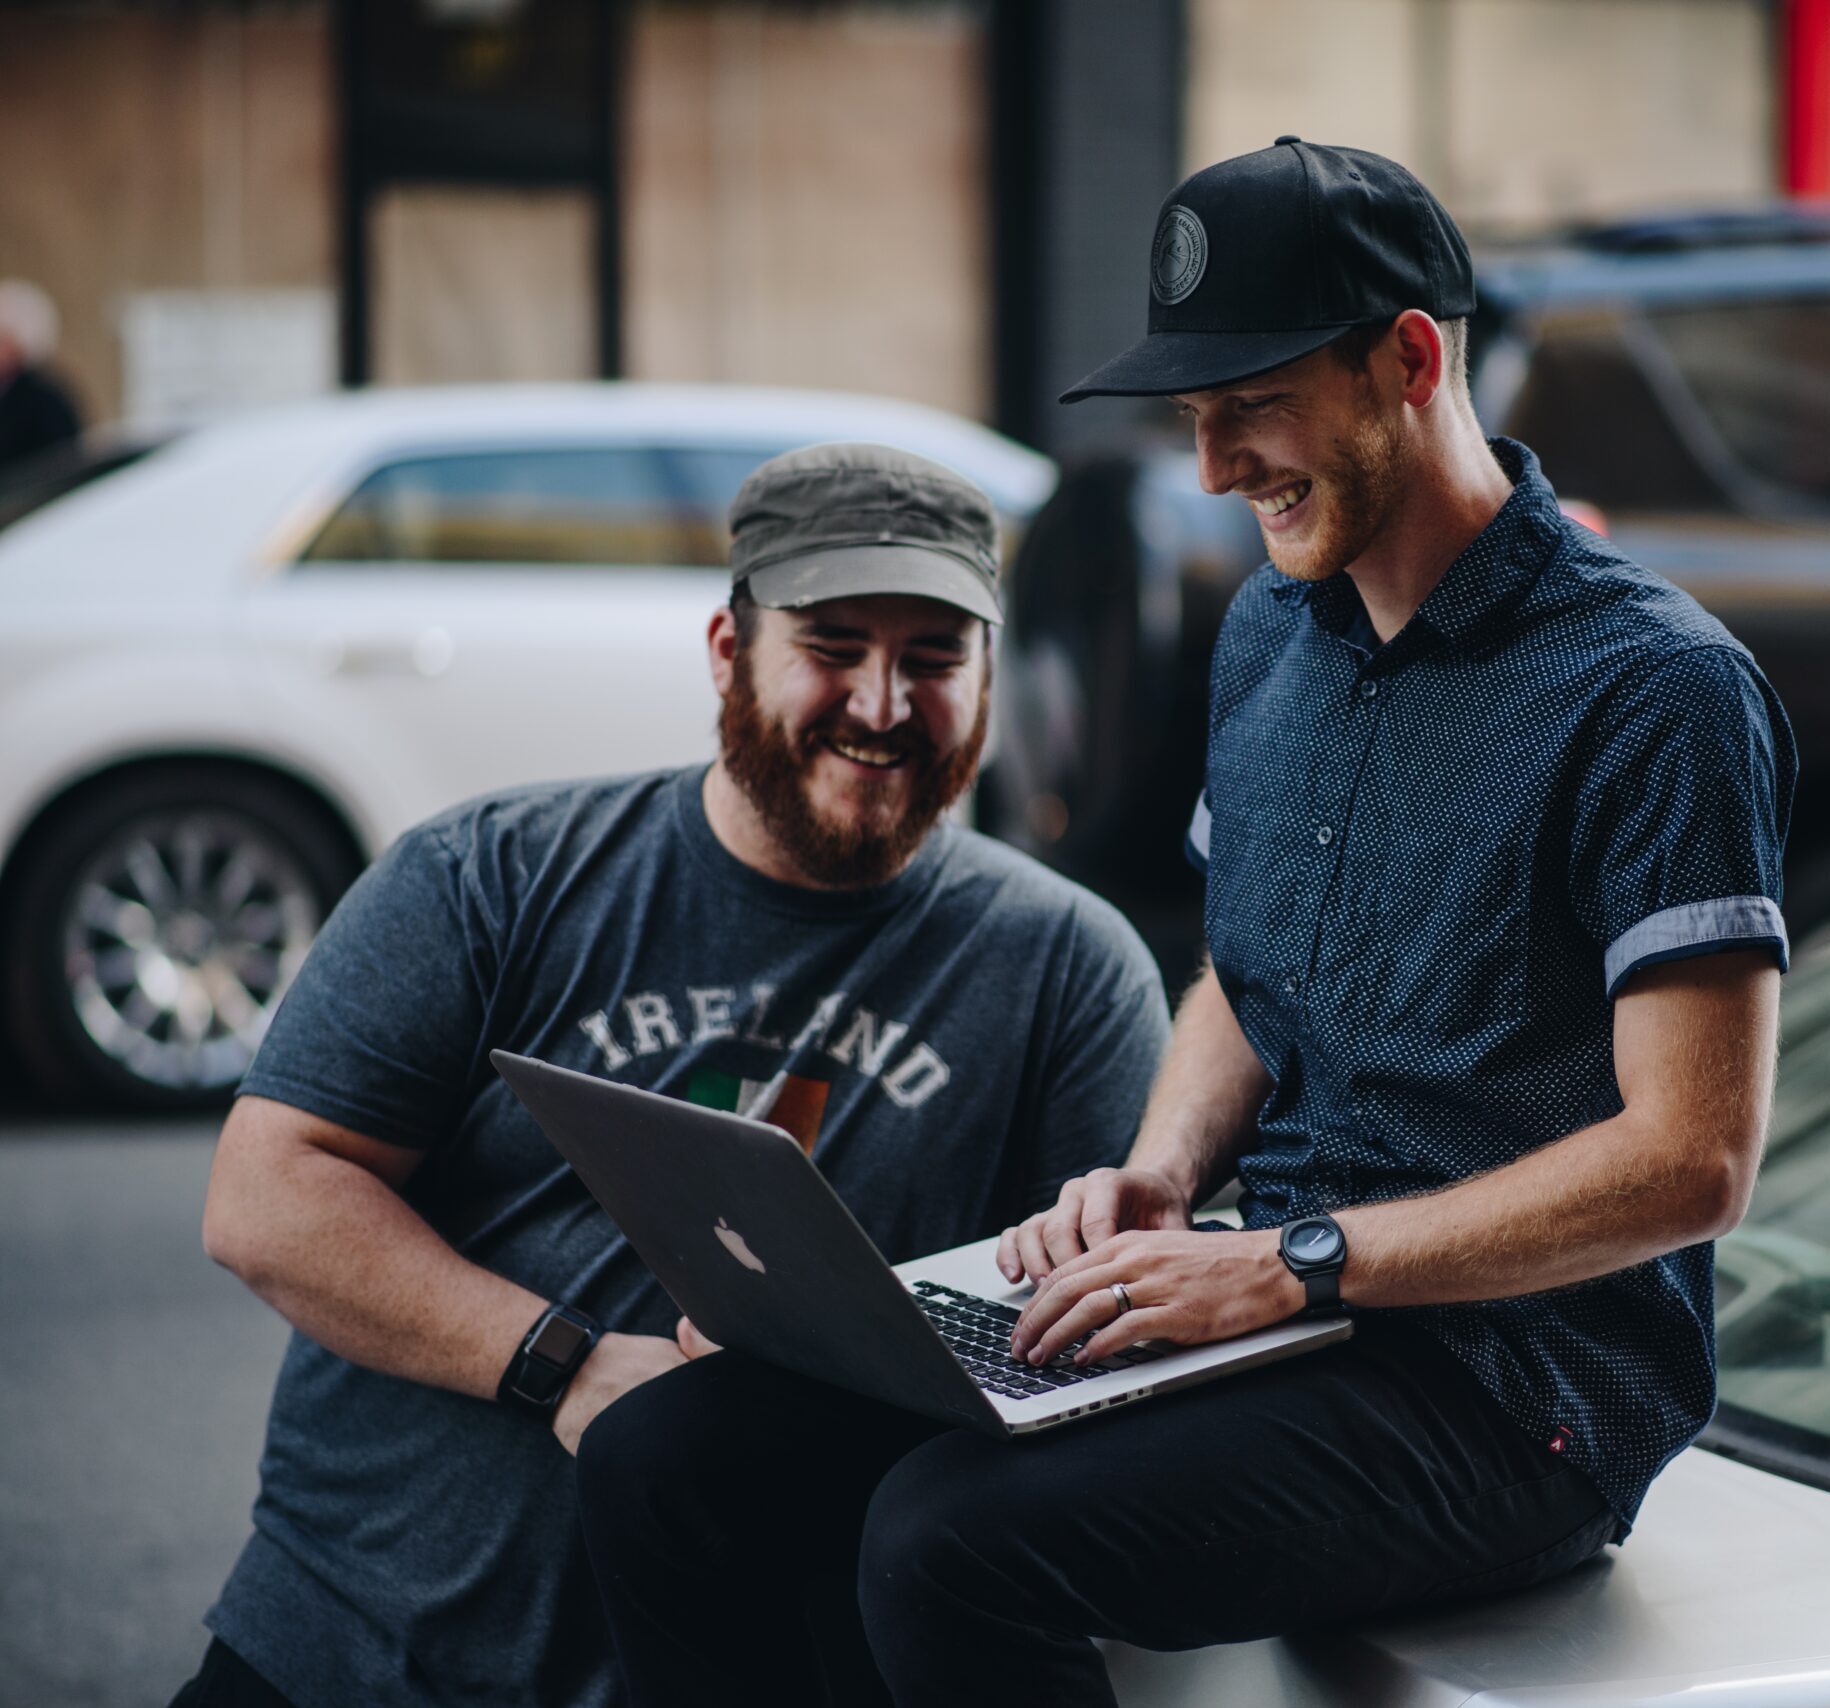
(1490, 576)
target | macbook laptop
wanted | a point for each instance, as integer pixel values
(754, 1246)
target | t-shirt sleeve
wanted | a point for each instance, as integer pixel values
(381, 1028)
(1681, 821)
(1200, 830)
(1113, 1028)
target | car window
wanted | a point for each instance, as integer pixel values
(591, 505)
(1773, 1272)
(707, 478)
(1760, 371)
(1590, 410)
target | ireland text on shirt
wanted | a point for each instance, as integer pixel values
(649, 1022)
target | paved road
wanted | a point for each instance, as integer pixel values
(134, 1378)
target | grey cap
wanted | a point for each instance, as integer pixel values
(836, 521)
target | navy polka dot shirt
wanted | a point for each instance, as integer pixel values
(1431, 865)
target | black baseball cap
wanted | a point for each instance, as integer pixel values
(1268, 256)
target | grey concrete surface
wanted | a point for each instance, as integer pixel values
(134, 1378)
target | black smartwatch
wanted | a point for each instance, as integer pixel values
(547, 1360)
(1315, 1250)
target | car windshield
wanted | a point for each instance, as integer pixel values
(1719, 407)
(1760, 372)
(1773, 1272)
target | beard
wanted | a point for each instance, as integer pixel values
(1360, 488)
(880, 836)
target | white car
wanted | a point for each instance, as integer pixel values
(233, 672)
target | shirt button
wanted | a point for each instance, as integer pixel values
(1324, 836)
(1369, 689)
(1292, 984)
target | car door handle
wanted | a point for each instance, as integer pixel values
(428, 654)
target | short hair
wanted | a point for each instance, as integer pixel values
(1354, 350)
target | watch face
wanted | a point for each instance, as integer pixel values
(1314, 1242)
(558, 1340)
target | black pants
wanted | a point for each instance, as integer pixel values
(723, 1501)
(225, 1680)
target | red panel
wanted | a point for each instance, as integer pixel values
(1807, 97)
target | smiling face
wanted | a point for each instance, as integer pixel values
(850, 726)
(1317, 449)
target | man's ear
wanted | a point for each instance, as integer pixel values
(721, 649)
(1418, 342)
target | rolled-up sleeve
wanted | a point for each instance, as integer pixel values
(1681, 817)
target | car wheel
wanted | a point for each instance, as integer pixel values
(155, 926)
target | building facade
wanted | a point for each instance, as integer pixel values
(947, 201)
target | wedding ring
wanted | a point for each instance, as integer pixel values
(1123, 1298)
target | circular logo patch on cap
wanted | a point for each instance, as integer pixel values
(1178, 258)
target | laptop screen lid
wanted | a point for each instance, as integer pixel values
(749, 1239)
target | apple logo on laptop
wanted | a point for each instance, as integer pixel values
(737, 1246)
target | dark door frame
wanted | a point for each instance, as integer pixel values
(374, 152)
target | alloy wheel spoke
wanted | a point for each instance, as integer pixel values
(150, 876)
(104, 912)
(181, 936)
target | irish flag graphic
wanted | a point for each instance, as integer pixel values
(788, 1101)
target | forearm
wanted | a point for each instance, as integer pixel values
(1203, 1109)
(1694, 1049)
(1603, 1199)
(340, 1255)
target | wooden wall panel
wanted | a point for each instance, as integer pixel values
(151, 149)
(1516, 112)
(806, 199)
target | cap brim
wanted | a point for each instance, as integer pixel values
(1167, 364)
(851, 572)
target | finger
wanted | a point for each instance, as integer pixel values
(1145, 1322)
(1080, 1306)
(1033, 1320)
(1036, 1264)
(1061, 1225)
(1051, 1299)
(691, 1342)
(1062, 1239)
(1059, 1294)
(1099, 1221)
(1123, 1249)
(1010, 1260)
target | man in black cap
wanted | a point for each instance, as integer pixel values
(796, 931)
(1492, 830)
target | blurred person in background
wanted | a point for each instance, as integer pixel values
(37, 413)
(797, 931)
(1492, 834)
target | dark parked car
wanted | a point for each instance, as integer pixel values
(1674, 375)
(31, 485)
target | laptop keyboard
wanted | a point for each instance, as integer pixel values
(978, 1333)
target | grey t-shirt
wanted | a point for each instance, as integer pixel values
(951, 1045)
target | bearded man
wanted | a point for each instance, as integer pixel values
(796, 932)
(1492, 834)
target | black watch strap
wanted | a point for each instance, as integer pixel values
(546, 1360)
(1322, 1293)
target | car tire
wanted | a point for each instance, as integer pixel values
(154, 922)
